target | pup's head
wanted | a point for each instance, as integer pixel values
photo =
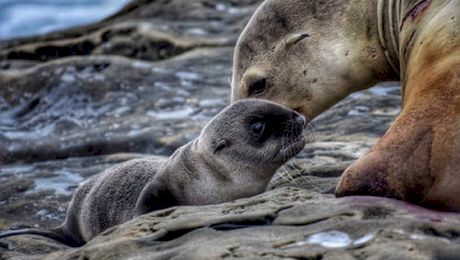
(253, 135)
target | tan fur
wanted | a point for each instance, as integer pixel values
(318, 71)
(418, 159)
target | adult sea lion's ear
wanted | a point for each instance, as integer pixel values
(221, 144)
(154, 196)
(295, 38)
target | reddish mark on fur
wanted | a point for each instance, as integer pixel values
(416, 11)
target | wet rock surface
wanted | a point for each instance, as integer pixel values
(144, 81)
(286, 223)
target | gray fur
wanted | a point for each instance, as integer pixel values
(226, 162)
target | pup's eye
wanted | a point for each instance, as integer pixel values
(258, 128)
(257, 86)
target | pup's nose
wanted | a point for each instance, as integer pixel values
(298, 123)
(299, 119)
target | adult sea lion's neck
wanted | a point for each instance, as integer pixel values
(388, 17)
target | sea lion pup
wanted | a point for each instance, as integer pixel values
(308, 55)
(235, 156)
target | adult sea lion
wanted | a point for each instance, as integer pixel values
(235, 156)
(308, 55)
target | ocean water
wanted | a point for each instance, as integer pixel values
(20, 18)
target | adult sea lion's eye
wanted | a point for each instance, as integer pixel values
(258, 127)
(257, 86)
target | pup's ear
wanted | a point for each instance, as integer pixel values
(221, 144)
(154, 196)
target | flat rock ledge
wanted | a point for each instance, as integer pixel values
(145, 81)
(286, 223)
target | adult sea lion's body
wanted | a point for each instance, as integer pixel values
(235, 156)
(308, 55)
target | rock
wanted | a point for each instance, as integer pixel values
(144, 81)
(150, 30)
(83, 106)
(37, 194)
(283, 223)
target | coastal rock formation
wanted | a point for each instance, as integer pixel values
(284, 223)
(144, 81)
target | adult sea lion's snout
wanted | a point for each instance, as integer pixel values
(256, 83)
(285, 56)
